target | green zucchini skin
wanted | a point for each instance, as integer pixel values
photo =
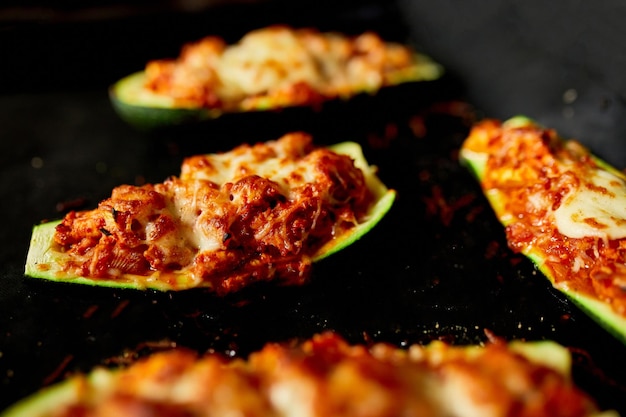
(600, 312)
(44, 262)
(147, 111)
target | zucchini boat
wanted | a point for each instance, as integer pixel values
(269, 68)
(561, 206)
(327, 377)
(187, 233)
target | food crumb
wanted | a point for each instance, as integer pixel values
(36, 162)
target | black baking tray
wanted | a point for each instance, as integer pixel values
(437, 267)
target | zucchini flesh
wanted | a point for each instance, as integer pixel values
(147, 110)
(45, 260)
(477, 162)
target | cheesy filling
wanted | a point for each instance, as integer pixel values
(596, 209)
(560, 205)
(324, 376)
(254, 213)
(280, 66)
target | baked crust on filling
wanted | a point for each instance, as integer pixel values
(258, 212)
(325, 376)
(277, 65)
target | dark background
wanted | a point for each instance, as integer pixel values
(436, 268)
(530, 56)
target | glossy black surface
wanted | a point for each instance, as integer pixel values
(437, 267)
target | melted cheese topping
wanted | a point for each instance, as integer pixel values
(324, 377)
(596, 209)
(254, 213)
(267, 59)
(280, 66)
(559, 204)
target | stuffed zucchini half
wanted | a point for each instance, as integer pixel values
(561, 206)
(269, 68)
(256, 213)
(324, 376)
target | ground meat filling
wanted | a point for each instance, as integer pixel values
(257, 224)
